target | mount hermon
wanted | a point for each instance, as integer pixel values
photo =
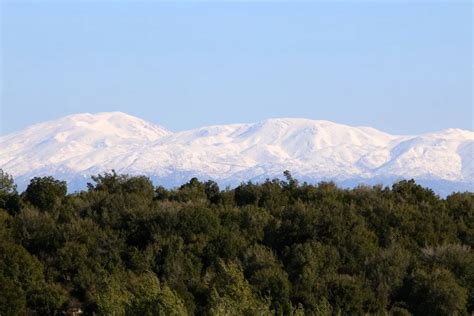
(75, 147)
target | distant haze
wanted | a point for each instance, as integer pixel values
(398, 66)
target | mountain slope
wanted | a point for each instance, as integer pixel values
(77, 146)
(75, 142)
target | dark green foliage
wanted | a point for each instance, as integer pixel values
(458, 259)
(461, 209)
(349, 295)
(230, 293)
(267, 275)
(436, 292)
(193, 191)
(9, 198)
(12, 297)
(385, 272)
(213, 192)
(45, 193)
(7, 185)
(247, 193)
(124, 247)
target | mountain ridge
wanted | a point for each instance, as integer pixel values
(80, 145)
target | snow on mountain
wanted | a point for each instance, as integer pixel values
(75, 143)
(77, 146)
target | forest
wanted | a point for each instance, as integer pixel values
(125, 247)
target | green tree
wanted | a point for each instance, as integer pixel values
(36, 231)
(9, 198)
(23, 281)
(386, 271)
(436, 293)
(349, 295)
(461, 208)
(193, 191)
(152, 298)
(265, 273)
(310, 266)
(280, 247)
(7, 185)
(458, 259)
(45, 193)
(212, 191)
(247, 193)
(231, 294)
(12, 297)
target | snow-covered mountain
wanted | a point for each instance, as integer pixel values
(77, 146)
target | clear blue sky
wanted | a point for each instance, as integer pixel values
(394, 65)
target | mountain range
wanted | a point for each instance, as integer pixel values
(75, 147)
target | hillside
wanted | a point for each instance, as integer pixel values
(75, 147)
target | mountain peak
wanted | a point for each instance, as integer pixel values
(80, 145)
(295, 121)
(107, 120)
(101, 116)
(90, 126)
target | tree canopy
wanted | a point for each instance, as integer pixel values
(125, 247)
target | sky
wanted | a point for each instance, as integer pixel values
(400, 66)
